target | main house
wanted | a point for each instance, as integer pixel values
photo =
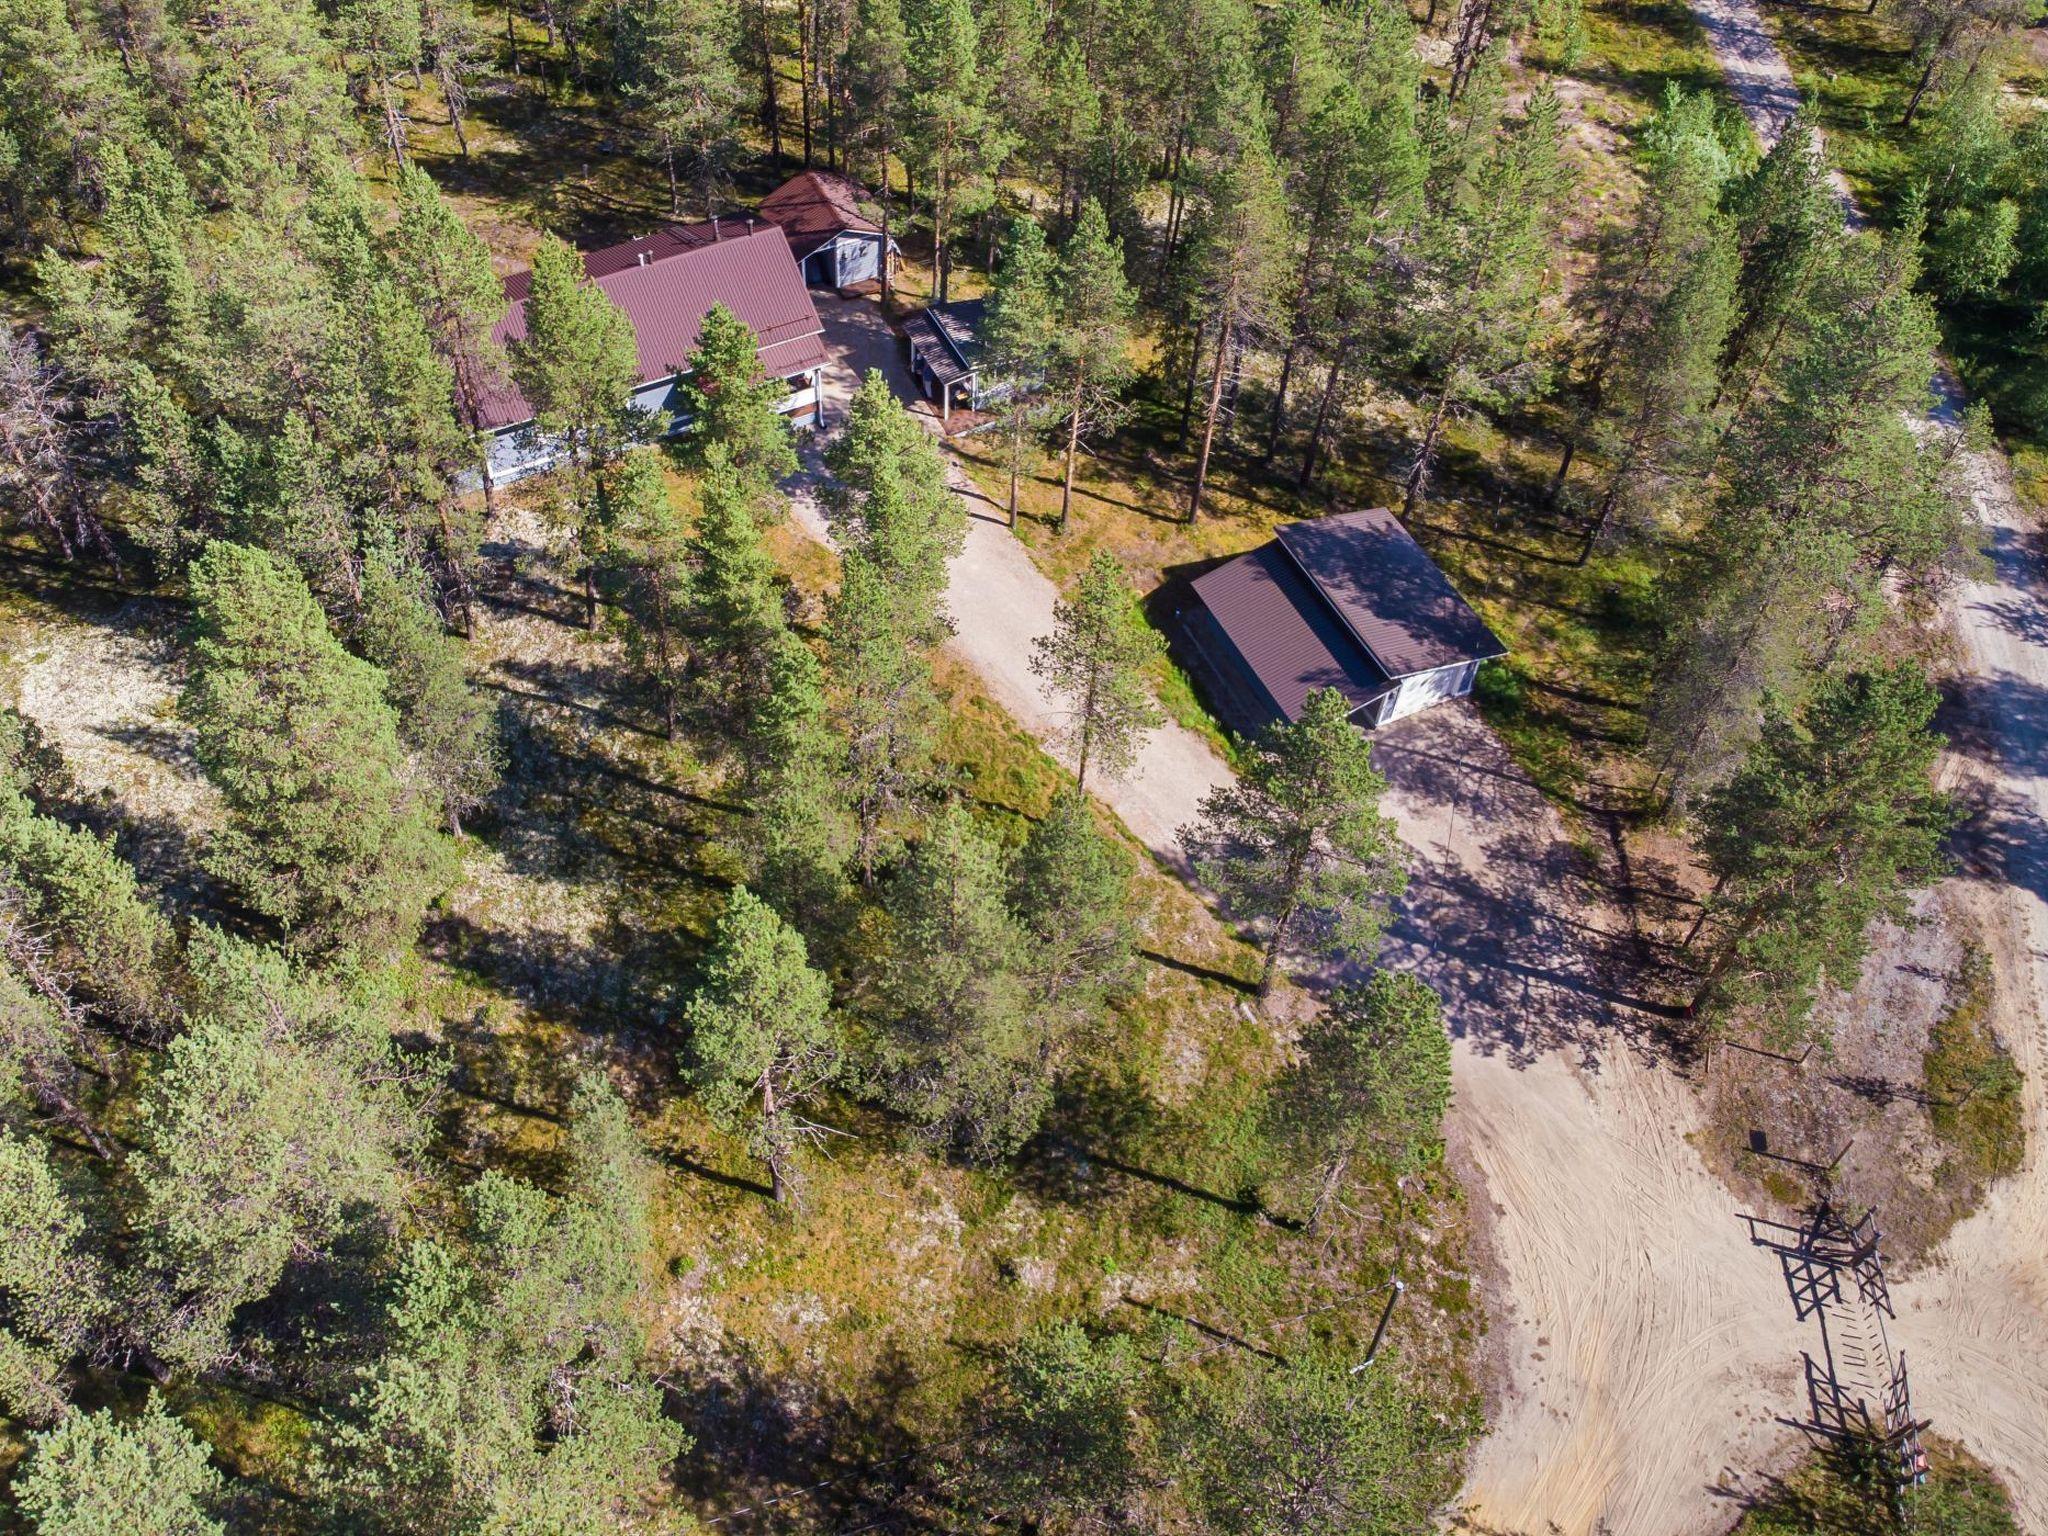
(667, 283)
(1348, 601)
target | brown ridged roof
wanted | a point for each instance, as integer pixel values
(1389, 593)
(667, 296)
(813, 206)
(1286, 635)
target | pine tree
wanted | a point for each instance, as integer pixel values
(1298, 842)
(1060, 1447)
(507, 1396)
(1788, 228)
(577, 367)
(1310, 1448)
(961, 1052)
(875, 79)
(680, 74)
(1658, 310)
(736, 596)
(732, 403)
(277, 1122)
(1071, 894)
(1828, 500)
(1236, 265)
(1485, 267)
(1090, 359)
(95, 1475)
(48, 483)
(949, 139)
(890, 502)
(761, 1039)
(1018, 340)
(324, 835)
(1371, 1083)
(53, 1287)
(885, 712)
(379, 38)
(450, 732)
(446, 270)
(799, 840)
(101, 935)
(1096, 659)
(1830, 823)
(646, 574)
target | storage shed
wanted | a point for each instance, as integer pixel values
(946, 355)
(1348, 601)
(834, 243)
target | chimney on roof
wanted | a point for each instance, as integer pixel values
(643, 258)
(715, 235)
(750, 223)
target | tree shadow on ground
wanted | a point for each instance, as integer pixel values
(787, 1452)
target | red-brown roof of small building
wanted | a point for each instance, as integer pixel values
(1389, 593)
(666, 284)
(1287, 637)
(813, 206)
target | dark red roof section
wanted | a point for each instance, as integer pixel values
(1389, 593)
(667, 296)
(669, 240)
(1287, 637)
(813, 206)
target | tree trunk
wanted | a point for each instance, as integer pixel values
(1564, 467)
(1920, 90)
(1279, 422)
(394, 135)
(450, 93)
(771, 103)
(1073, 449)
(776, 1186)
(1425, 457)
(805, 23)
(1706, 909)
(1313, 451)
(457, 574)
(1209, 423)
(1016, 456)
(668, 160)
(1332, 1181)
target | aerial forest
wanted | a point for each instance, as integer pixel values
(567, 1006)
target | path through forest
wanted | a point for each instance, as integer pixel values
(1974, 1323)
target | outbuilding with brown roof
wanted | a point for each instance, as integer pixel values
(836, 245)
(1348, 601)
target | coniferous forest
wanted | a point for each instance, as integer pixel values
(573, 1006)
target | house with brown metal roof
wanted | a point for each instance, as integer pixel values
(667, 283)
(834, 243)
(1348, 601)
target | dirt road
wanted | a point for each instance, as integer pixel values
(1974, 1325)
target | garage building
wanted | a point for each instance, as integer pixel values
(1348, 601)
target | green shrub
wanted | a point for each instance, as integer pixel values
(1972, 1085)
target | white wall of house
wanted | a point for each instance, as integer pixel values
(519, 451)
(1422, 689)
